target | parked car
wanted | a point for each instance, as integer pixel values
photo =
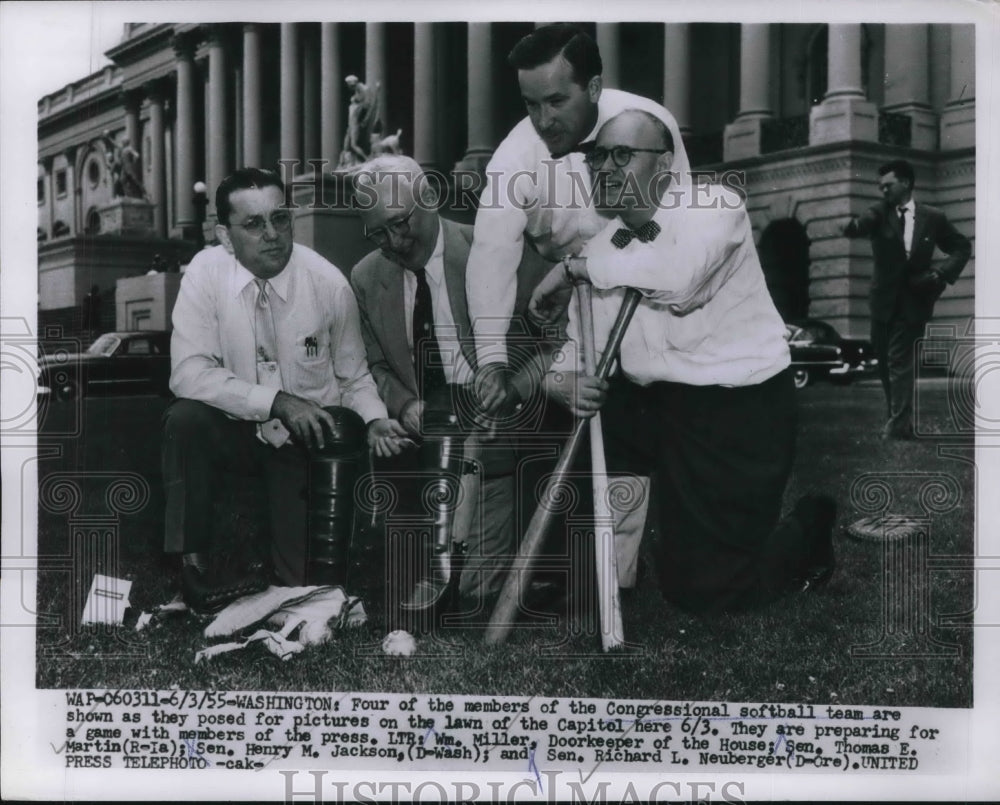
(819, 352)
(116, 363)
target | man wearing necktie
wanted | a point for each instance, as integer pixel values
(905, 285)
(412, 296)
(704, 400)
(537, 193)
(266, 343)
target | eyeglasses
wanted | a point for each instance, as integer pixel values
(400, 226)
(281, 221)
(621, 155)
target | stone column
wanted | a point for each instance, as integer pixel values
(71, 188)
(132, 100)
(330, 91)
(310, 93)
(608, 38)
(845, 113)
(907, 82)
(424, 57)
(218, 116)
(480, 99)
(677, 73)
(252, 96)
(958, 119)
(184, 139)
(157, 189)
(375, 67)
(742, 136)
(291, 96)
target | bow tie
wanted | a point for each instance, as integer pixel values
(645, 233)
(583, 148)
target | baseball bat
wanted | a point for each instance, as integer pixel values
(506, 607)
(605, 558)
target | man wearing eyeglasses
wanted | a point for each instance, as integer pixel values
(412, 295)
(537, 193)
(266, 335)
(537, 188)
(704, 401)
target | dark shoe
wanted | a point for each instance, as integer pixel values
(817, 514)
(204, 598)
(431, 589)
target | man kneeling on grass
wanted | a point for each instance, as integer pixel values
(267, 362)
(704, 400)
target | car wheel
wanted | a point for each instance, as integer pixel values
(801, 378)
(67, 390)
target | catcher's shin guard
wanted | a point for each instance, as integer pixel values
(441, 453)
(333, 472)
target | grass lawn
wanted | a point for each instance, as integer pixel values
(806, 648)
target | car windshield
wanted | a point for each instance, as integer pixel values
(104, 345)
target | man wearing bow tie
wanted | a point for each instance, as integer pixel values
(537, 191)
(704, 400)
(537, 184)
(904, 284)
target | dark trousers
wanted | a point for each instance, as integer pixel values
(719, 459)
(894, 342)
(199, 444)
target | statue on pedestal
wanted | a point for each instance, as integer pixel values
(362, 121)
(125, 165)
(363, 138)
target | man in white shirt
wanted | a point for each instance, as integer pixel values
(266, 336)
(537, 192)
(420, 252)
(537, 188)
(704, 399)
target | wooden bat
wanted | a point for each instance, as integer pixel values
(506, 607)
(605, 558)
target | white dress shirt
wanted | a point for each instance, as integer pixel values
(321, 355)
(456, 367)
(706, 317)
(530, 194)
(909, 209)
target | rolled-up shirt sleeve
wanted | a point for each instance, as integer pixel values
(197, 371)
(497, 244)
(683, 267)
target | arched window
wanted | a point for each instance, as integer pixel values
(93, 219)
(784, 258)
(93, 173)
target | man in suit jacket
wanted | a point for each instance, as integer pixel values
(905, 285)
(420, 252)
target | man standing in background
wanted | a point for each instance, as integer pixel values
(904, 284)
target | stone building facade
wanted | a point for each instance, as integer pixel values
(805, 113)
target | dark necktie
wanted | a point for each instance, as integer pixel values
(902, 218)
(426, 352)
(645, 233)
(583, 148)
